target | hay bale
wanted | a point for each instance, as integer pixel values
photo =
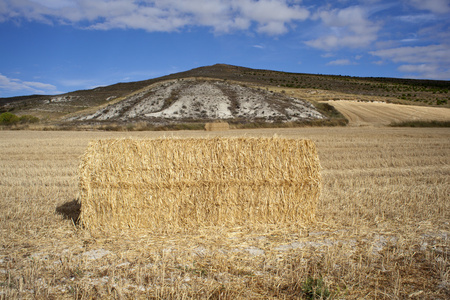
(172, 184)
(218, 126)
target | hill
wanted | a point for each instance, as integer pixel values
(237, 94)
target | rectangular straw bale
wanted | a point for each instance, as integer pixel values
(217, 126)
(173, 184)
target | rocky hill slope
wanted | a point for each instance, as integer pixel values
(190, 99)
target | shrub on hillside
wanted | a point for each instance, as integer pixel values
(8, 118)
(28, 119)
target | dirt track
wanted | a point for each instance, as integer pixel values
(379, 114)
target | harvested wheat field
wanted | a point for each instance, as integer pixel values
(381, 231)
(381, 113)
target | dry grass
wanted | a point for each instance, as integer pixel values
(382, 228)
(318, 95)
(217, 126)
(173, 184)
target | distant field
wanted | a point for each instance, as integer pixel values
(382, 228)
(376, 113)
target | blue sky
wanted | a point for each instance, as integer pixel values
(57, 46)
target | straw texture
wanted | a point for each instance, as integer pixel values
(173, 184)
(217, 126)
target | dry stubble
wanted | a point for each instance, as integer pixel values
(382, 231)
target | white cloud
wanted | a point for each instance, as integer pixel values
(419, 54)
(38, 85)
(340, 62)
(348, 27)
(436, 33)
(273, 28)
(259, 46)
(425, 71)
(431, 61)
(77, 82)
(269, 16)
(17, 85)
(326, 55)
(408, 40)
(435, 6)
(423, 68)
(422, 18)
(54, 3)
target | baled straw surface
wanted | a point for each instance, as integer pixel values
(217, 126)
(172, 184)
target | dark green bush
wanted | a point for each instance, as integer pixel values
(8, 118)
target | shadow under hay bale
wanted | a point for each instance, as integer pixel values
(70, 210)
(172, 184)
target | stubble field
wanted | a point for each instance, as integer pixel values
(382, 114)
(382, 229)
